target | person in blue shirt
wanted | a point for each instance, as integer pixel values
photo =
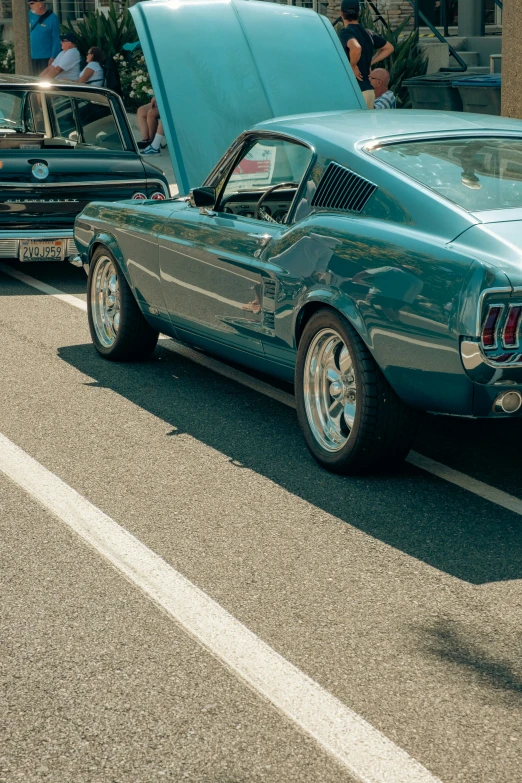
(45, 35)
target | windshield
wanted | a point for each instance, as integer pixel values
(11, 110)
(475, 173)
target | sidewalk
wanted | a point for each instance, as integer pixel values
(162, 161)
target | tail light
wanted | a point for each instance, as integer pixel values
(139, 196)
(510, 334)
(158, 196)
(490, 327)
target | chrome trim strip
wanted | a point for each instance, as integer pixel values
(60, 233)
(501, 307)
(161, 184)
(516, 344)
(58, 185)
(473, 357)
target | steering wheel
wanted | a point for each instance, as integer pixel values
(261, 213)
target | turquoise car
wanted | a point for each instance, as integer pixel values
(370, 257)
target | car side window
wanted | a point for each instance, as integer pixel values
(63, 117)
(33, 115)
(266, 163)
(98, 125)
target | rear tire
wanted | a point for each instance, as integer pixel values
(352, 420)
(118, 328)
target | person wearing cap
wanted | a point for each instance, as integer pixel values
(44, 35)
(363, 48)
(65, 65)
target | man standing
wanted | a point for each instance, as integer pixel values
(363, 48)
(384, 98)
(65, 65)
(45, 35)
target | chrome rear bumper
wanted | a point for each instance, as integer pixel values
(10, 241)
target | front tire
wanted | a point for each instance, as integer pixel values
(118, 328)
(352, 420)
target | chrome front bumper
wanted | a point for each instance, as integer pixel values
(10, 241)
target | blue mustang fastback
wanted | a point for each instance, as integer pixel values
(373, 257)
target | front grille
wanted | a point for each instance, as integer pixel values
(8, 248)
(342, 189)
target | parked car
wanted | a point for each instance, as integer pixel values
(62, 145)
(374, 257)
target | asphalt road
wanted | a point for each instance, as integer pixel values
(401, 596)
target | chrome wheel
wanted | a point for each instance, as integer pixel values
(105, 301)
(330, 393)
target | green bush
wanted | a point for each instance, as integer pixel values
(109, 32)
(407, 59)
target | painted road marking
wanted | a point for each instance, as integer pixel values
(363, 750)
(470, 484)
(462, 480)
(44, 288)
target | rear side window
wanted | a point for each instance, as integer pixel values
(475, 173)
(97, 125)
(63, 117)
(85, 122)
(34, 119)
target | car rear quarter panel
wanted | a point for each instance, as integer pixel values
(398, 286)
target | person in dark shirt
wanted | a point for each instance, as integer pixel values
(363, 48)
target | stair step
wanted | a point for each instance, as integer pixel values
(470, 58)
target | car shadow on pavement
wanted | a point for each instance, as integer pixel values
(442, 525)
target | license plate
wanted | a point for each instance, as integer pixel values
(41, 249)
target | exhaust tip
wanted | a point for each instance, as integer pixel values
(508, 402)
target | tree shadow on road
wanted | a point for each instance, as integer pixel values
(439, 524)
(446, 641)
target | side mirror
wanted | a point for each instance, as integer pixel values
(203, 197)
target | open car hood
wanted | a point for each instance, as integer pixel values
(220, 66)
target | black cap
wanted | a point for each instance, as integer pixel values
(349, 5)
(72, 37)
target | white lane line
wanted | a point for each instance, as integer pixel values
(480, 488)
(368, 755)
(475, 486)
(44, 288)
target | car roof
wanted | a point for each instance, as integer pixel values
(15, 81)
(345, 129)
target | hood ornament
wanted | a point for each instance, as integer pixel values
(40, 170)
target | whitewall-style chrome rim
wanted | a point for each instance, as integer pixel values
(105, 301)
(330, 393)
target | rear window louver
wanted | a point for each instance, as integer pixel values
(340, 188)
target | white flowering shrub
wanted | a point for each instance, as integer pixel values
(7, 58)
(135, 80)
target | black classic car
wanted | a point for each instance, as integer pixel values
(62, 146)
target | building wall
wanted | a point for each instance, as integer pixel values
(396, 10)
